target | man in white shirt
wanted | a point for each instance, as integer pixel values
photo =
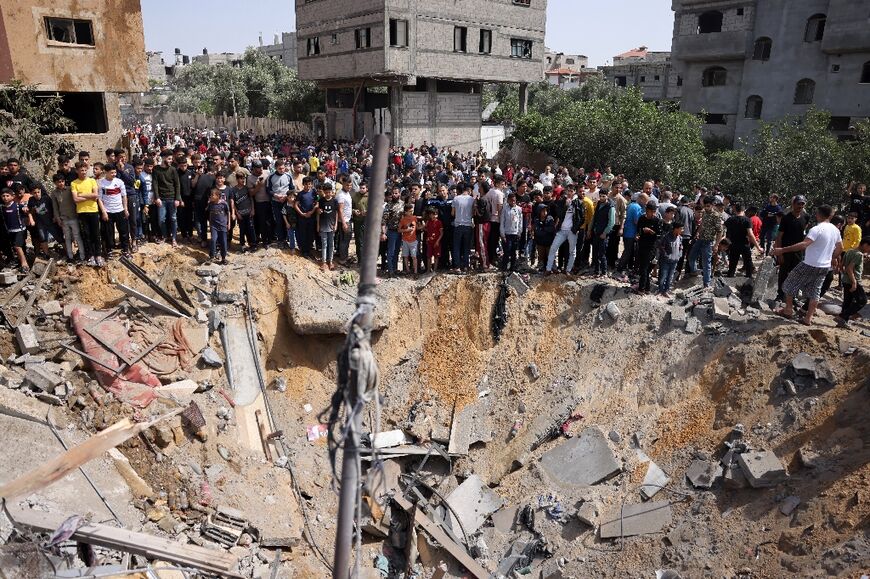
(511, 225)
(463, 227)
(822, 248)
(494, 201)
(546, 178)
(113, 194)
(345, 203)
(567, 231)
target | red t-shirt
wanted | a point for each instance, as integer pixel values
(433, 230)
(756, 226)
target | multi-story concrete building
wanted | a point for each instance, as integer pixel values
(647, 70)
(433, 58)
(282, 49)
(745, 60)
(554, 60)
(86, 51)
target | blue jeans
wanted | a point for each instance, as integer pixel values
(291, 237)
(166, 217)
(394, 243)
(278, 220)
(704, 248)
(218, 243)
(327, 239)
(462, 238)
(667, 269)
(599, 253)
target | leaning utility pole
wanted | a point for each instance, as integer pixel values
(357, 371)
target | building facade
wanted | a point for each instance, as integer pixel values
(213, 58)
(282, 49)
(742, 61)
(568, 78)
(555, 60)
(432, 58)
(71, 48)
(647, 70)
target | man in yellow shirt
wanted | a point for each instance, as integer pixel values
(88, 208)
(314, 163)
(851, 232)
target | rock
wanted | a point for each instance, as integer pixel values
(201, 316)
(804, 365)
(280, 384)
(519, 285)
(155, 514)
(211, 358)
(167, 524)
(225, 454)
(693, 325)
(223, 297)
(614, 436)
(703, 474)
(473, 502)
(789, 504)
(734, 301)
(762, 469)
(214, 321)
(39, 377)
(789, 387)
(721, 309)
(581, 461)
(534, 372)
(25, 336)
(678, 317)
(808, 457)
(208, 270)
(163, 436)
(831, 309)
(505, 519)
(8, 277)
(588, 513)
(613, 311)
(722, 289)
(51, 308)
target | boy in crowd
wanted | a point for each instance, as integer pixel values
(434, 235)
(65, 217)
(89, 207)
(40, 211)
(851, 232)
(14, 224)
(218, 221)
(113, 194)
(854, 296)
(327, 221)
(769, 222)
(408, 229)
(545, 232)
(241, 208)
(510, 227)
(670, 248)
(146, 188)
(134, 206)
(649, 229)
(289, 217)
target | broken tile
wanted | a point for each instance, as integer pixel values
(654, 480)
(582, 461)
(703, 474)
(637, 519)
(474, 502)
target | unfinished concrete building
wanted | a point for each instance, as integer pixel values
(282, 49)
(415, 71)
(72, 48)
(650, 71)
(746, 60)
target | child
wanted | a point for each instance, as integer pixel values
(146, 196)
(434, 233)
(327, 221)
(854, 296)
(40, 213)
(545, 232)
(218, 220)
(134, 207)
(670, 248)
(289, 215)
(65, 217)
(13, 222)
(851, 232)
(242, 210)
(720, 258)
(408, 229)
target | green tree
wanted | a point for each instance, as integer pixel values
(32, 127)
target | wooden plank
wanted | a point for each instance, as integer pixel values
(439, 535)
(25, 311)
(60, 466)
(151, 302)
(148, 546)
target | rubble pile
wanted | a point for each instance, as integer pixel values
(603, 435)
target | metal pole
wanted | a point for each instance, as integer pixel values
(350, 475)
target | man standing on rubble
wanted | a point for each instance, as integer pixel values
(710, 232)
(823, 247)
(791, 232)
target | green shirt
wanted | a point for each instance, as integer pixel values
(359, 203)
(856, 258)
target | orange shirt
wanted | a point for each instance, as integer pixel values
(408, 227)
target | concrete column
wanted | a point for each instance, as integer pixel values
(396, 114)
(524, 97)
(432, 94)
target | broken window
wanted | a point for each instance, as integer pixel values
(753, 107)
(313, 46)
(804, 92)
(709, 22)
(460, 35)
(865, 73)
(714, 76)
(363, 37)
(815, 28)
(70, 31)
(485, 44)
(87, 110)
(621, 81)
(715, 119)
(521, 48)
(839, 123)
(762, 49)
(398, 32)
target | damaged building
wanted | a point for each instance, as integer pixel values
(415, 72)
(86, 51)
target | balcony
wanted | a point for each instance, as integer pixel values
(732, 45)
(846, 37)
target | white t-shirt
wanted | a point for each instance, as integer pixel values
(463, 205)
(568, 221)
(825, 237)
(112, 195)
(546, 179)
(346, 203)
(494, 199)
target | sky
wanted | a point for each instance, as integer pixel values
(594, 28)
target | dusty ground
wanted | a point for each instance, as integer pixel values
(678, 395)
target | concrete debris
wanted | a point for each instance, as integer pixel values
(637, 519)
(721, 289)
(703, 474)
(678, 317)
(533, 371)
(805, 372)
(789, 504)
(8, 277)
(588, 513)
(280, 384)
(762, 469)
(613, 311)
(614, 436)
(653, 481)
(474, 502)
(808, 457)
(390, 439)
(519, 285)
(211, 270)
(721, 308)
(693, 325)
(762, 283)
(211, 358)
(734, 479)
(182, 390)
(470, 425)
(51, 308)
(584, 460)
(39, 377)
(505, 520)
(25, 336)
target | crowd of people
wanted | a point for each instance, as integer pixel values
(444, 211)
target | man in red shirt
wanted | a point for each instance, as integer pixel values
(755, 220)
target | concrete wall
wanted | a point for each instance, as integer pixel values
(115, 63)
(446, 119)
(491, 137)
(643, 75)
(285, 50)
(96, 143)
(845, 46)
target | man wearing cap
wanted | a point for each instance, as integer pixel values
(792, 229)
(823, 246)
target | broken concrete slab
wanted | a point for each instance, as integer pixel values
(734, 479)
(762, 469)
(25, 336)
(721, 289)
(637, 519)
(39, 377)
(470, 425)
(182, 390)
(789, 504)
(589, 512)
(653, 481)
(322, 309)
(804, 365)
(390, 439)
(721, 308)
(582, 461)
(613, 311)
(693, 325)
(8, 277)
(678, 317)
(505, 519)
(474, 502)
(761, 284)
(51, 308)
(211, 358)
(703, 474)
(519, 285)
(211, 270)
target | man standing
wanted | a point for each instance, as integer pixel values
(792, 228)
(256, 183)
(823, 247)
(463, 228)
(306, 202)
(589, 197)
(739, 230)
(113, 195)
(629, 236)
(167, 196)
(603, 220)
(203, 182)
(568, 225)
(854, 296)
(495, 201)
(186, 175)
(618, 202)
(360, 209)
(390, 233)
(277, 187)
(710, 232)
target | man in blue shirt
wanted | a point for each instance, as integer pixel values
(629, 233)
(306, 202)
